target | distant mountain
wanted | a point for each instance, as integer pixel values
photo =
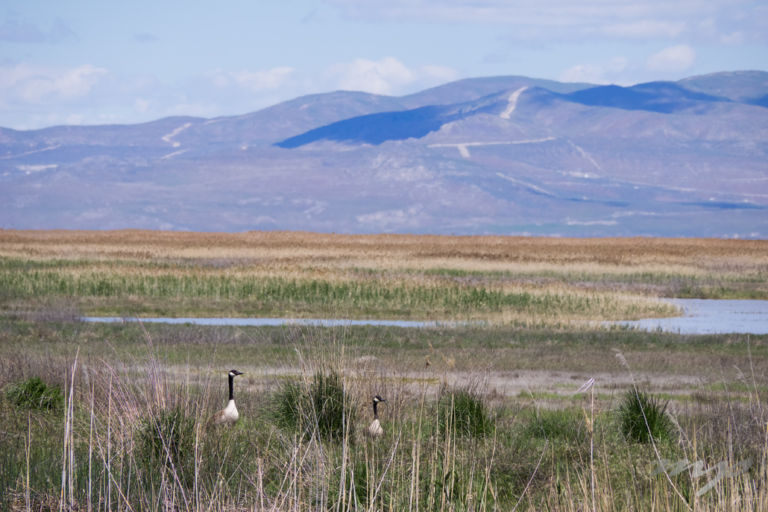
(507, 155)
(662, 97)
(743, 86)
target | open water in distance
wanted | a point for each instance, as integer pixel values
(709, 316)
(701, 316)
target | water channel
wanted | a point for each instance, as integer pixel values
(260, 322)
(700, 316)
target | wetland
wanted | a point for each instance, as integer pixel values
(514, 333)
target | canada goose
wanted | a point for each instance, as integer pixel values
(374, 429)
(229, 414)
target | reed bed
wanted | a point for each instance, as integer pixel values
(129, 293)
(645, 266)
(521, 281)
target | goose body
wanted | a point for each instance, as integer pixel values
(375, 429)
(228, 415)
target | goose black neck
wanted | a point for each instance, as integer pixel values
(375, 411)
(231, 387)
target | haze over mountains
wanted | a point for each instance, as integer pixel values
(501, 155)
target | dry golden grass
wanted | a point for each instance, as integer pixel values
(485, 253)
(616, 278)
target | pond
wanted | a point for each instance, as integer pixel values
(708, 316)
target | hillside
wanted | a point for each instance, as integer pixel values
(506, 155)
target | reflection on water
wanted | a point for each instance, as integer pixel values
(258, 322)
(706, 316)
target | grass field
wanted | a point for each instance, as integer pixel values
(478, 417)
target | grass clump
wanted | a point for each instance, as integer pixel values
(643, 417)
(464, 412)
(557, 425)
(33, 393)
(166, 440)
(321, 407)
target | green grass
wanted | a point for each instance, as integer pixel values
(177, 291)
(463, 413)
(713, 285)
(151, 398)
(33, 393)
(644, 417)
(319, 408)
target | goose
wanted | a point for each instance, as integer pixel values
(228, 415)
(374, 429)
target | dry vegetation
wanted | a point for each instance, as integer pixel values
(524, 281)
(131, 434)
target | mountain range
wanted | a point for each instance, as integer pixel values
(497, 155)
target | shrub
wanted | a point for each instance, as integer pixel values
(323, 405)
(33, 393)
(642, 416)
(463, 412)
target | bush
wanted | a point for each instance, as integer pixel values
(642, 416)
(323, 405)
(463, 412)
(33, 393)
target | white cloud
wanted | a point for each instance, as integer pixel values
(141, 105)
(254, 81)
(604, 73)
(733, 38)
(378, 77)
(584, 73)
(385, 76)
(642, 29)
(674, 58)
(566, 19)
(35, 84)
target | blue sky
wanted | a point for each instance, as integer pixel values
(97, 62)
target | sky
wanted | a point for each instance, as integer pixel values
(101, 62)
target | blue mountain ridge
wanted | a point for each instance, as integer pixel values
(658, 97)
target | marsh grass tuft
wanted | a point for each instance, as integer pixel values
(558, 425)
(33, 393)
(167, 439)
(643, 417)
(323, 406)
(464, 412)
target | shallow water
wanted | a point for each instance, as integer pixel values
(701, 316)
(259, 322)
(708, 316)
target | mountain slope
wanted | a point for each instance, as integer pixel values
(663, 97)
(507, 155)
